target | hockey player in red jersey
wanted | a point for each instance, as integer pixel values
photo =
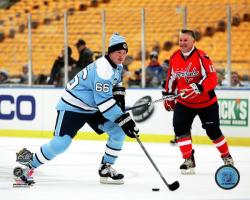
(192, 74)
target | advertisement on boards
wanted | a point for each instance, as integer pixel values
(34, 109)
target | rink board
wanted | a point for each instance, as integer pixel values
(30, 112)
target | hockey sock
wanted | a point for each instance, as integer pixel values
(50, 150)
(185, 145)
(221, 145)
(110, 155)
(114, 143)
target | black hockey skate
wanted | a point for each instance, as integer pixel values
(228, 160)
(188, 167)
(23, 176)
(173, 142)
(108, 175)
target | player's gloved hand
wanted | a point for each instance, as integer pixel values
(128, 125)
(169, 104)
(192, 90)
(119, 96)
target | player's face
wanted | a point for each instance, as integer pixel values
(118, 57)
(186, 42)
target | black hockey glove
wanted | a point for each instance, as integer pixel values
(128, 125)
(119, 96)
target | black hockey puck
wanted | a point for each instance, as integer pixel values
(18, 171)
(155, 189)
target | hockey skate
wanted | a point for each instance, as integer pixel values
(173, 142)
(228, 160)
(108, 175)
(188, 167)
(23, 176)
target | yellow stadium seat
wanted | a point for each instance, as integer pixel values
(164, 19)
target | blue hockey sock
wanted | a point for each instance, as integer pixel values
(50, 150)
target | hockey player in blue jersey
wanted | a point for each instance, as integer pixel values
(94, 96)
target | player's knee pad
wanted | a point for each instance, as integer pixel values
(116, 135)
(213, 132)
(59, 144)
(180, 131)
(114, 131)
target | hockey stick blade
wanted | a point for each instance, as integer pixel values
(172, 187)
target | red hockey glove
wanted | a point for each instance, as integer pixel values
(191, 91)
(168, 104)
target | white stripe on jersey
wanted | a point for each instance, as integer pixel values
(76, 102)
(203, 72)
(106, 105)
(59, 123)
(171, 81)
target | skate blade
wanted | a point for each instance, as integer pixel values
(20, 184)
(229, 163)
(24, 185)
(189, 171)
(108, 180)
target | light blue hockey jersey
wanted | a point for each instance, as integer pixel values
(91, 90)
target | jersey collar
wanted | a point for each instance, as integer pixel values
(111, 62)
(188, 54)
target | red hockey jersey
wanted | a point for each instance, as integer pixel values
(196, 68)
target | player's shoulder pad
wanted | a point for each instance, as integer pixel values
(175, 53)
(103, 69)
(206, 56)
(203, 54)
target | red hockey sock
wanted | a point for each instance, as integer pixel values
(221, 145)
(185, 145)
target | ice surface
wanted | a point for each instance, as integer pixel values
(73, 174)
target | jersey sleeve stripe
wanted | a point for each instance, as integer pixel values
(203, 72)
(104, 106)
(171, 81)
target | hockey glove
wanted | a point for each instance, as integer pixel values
(119, 96)
(191, 91)
(169, 104)
(128, 125)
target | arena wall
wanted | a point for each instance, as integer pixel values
(30, 112)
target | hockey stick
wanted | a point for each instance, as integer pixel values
(175, 185)
(168, 97)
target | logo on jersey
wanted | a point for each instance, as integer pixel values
(187, 74)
